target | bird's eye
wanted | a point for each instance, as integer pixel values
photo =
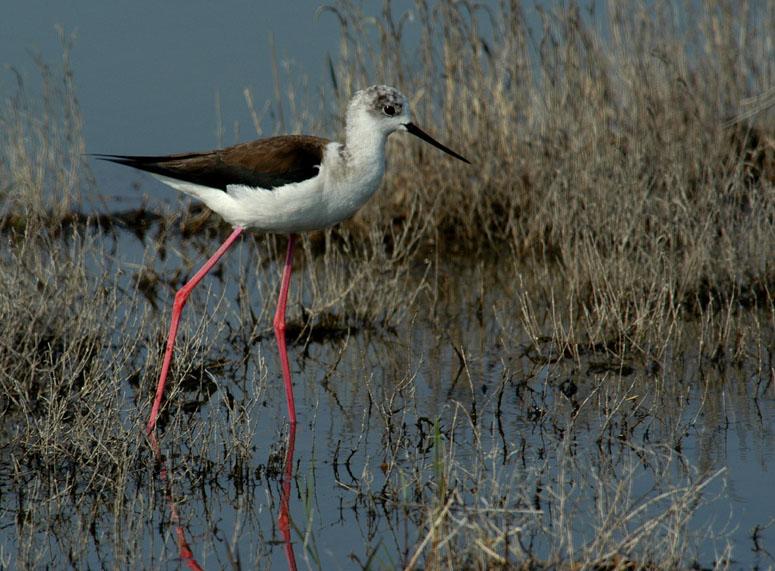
(389, 110)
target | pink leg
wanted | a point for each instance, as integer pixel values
(279, 328)
(180, 300)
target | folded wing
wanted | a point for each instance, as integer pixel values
(266, 163)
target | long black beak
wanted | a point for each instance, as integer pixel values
(417, 132)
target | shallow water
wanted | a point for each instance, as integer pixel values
(451, 409)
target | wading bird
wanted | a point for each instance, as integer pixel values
(286, 184)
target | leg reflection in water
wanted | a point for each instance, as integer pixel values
(284, 518)
(180, 533)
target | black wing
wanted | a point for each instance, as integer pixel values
(266, 163)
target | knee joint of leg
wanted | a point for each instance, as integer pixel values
(180, 298)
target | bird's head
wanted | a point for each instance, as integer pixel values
(384, 109)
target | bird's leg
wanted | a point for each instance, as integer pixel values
(279, 327)
(180, 300)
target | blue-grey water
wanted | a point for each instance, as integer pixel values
(148, 73)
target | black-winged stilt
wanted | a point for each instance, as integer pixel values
(285, 184)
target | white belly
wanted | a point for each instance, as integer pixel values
(312, 204)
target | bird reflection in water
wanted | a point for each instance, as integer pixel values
(180, 533)
(284, 518)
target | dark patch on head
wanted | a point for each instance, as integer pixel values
(385, 100)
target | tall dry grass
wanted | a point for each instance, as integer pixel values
(618, 148)
(624, 162)
(42, 167)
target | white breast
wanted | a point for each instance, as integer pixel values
(335, 194)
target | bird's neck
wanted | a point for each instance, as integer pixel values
(364, 148)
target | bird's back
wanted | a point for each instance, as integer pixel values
(264, 163)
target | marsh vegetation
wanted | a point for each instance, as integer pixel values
(559, 358)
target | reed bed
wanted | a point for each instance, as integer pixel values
(624, 148)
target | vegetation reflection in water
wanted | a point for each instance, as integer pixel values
(455, 436)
